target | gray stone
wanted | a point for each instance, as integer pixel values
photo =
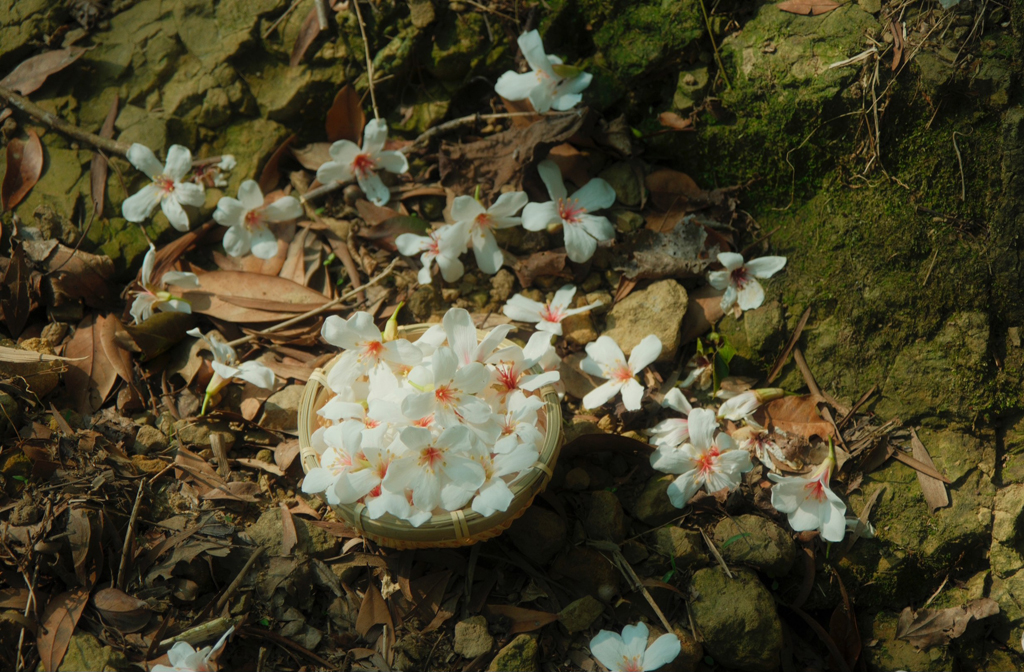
(894, 653)
(148, 440)
(520, 655)
(1007, 530)
(657, 310)
(196, 433)
(581, 614)
(625, 181)
(577, 479)
(281, 410)
(538, 534)
(737, 618)
(312, 540)
(756, 541)
(653, 505)
(605, 520)
(685, 547)
(472, 638)
(85, 652)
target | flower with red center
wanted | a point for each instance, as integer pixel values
(629, 652)
(605, 360)
(479, 225)
(739, 279)
(443, 245)
(430, 464)
(809, 503)
(350, 162)
(519, 424)
(151, 297)
(167, 188)
(548, 316)
(248, 219)
(708, 461)
(449, 391)
(582, 230)
(226, 368)
(549, 84)
(365, 349)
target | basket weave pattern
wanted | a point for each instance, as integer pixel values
(448, 529)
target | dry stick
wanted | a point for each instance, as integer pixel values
(316, 311)
(711, 36)
(278, 20)
(122, 570)
(812, 385)
(714, 552)
(960, 162)
(58, 124)
(321, 13)
(202, 632)
(784, 357)
(369, 61)
(856, 407)
(29, 603)
(236, 584)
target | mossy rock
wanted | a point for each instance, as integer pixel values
(62, 183)
(460, 44)
(757, 542)
(24, 24)
(890, 653)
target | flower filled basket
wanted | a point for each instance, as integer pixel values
(444, 528)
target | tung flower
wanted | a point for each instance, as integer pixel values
(352, 162)
(809, 503)
(582, 230)
(167, 189)
(629, 652)
(707, 460)
(152, 297)
(743, 405)
(605, 359)
(184, 658)
(673, 432)
(549, 85)
(481, 224)
(246, 218)
(226, 368)
(364, 347)
(739, 280)
(449, 392)
(428, 465)
(444, 245)
(548, 316)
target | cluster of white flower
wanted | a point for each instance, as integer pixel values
(446, 421)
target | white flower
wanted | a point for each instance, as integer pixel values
(152, 297)
(364, 347)
(809, 503)
(184, 658)
(673, 432)
(707, 460)
(605, 360)
(362, 164)
(461, 333)
(548, 316)
(760, 443)
(495, 494)
(343, 444)
(739, 280)
(544, 86)
(743, 405)
(226, 368)
(512, 372)
(519, 423)
(428, 465)
(246, 218)
(626, 652)
(469, 214)
(444, 245)
(167, 189)
(582, 231)
(448, 391)
(700, 370)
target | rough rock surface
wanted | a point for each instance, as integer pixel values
(657, 310)
(472, 638)
(519, 655)
(756, 541)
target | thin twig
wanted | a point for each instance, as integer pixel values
(784, 357)
(960, 162)
(58, 124)
(234, 586)
(321, 13)
(29, 604)
(369, 61)
(278, 20)
(711, 36)
(714, 552)
(122, 570)
(321, 309)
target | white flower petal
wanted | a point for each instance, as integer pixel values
(494, 496)
(489, 257)
(751, 296)
(374, 189)
(682, 490)
(335, 171)
(465, 208)
(144, 159)
(230, 212)
(606, 352)
(602, 394)
(632, 395)
(538, 216)
(765, 267)
(250, 195)
(702, 425)
(551, 175)
(237, 241)
(189, 193)
(508, 204)
(393, 162)
(533, 51)
(607, 648)
(663, 651)
(598, 227)
(596, 194)
(179, 162)
(283, 209)
(730, 260)
(180, 279)
(579, 245)
(264, 243)
(140, 205)
(257, 374)
(375, 134)
(516, 86)
(175, 214)
(644, 353)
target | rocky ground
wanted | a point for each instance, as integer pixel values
(892, 184)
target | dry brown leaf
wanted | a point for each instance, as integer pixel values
(72, 272)
(677, 253)
(289, 536)
(90, 376)
(271, 173)
(58, 624)
(844, 631)
(523, 620)
(79, 538)
(307, 35)
(930, 627)
(671, 188)
(539, 264)
(98, 166)
(32, 72)
(345, 119)
(373, 214)
(796, 415)
(24, 167)
(15, 294)
(373, 611)
(235, 296)
(157, 335)
(312, 156)
(124, 612)
(934, 490)
(285, 453)
(674, 122)
(807, 7)
(518, 108)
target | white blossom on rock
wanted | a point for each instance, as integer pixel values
(481, 224)
(547, 316)
(226, 368)
(444, 245)
(605, 360)
(582, 230)
(549, 84)
(152, 297)
(184, 658)
(247, 218)
(707, 460)
(809, 503)
(739, 279)
(629, 652)
(350, 161)
(167, 189)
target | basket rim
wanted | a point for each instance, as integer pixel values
(463, 525)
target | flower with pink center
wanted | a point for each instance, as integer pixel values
(247, 219)
(447, 391)
(582, 230)
(739, 279)
(810, 503)
(152, 297)
(673, 432)
(549, 84)
(707, 460)
(518, 424)
(514, 372)
(700, 371)
(428, 465)
(548, 316)
(495, 495)
(350, 162)
(184, 658)
(605, 360)
(444, 245)
(481, 224)
(629, 652)
(167, 189)
(364, 347)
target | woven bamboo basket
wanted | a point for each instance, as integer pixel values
(449, 529)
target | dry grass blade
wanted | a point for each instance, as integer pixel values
(919, 466)
(784, 357)
(934, 489)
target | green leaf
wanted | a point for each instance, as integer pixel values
(721, 370)
(157, 335)
(20, 478)
(735, 538)
(566, 71)
(668, 576)
(726, 352)
(330, 259)
(265, 622)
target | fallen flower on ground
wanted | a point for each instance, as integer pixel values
(743, 405)
(352, 162)
(167, 189)
(700, 370)
(605, 360)
(247, 217)
(227, 368)
(711, 461)
(673, 432)
(810, 503)
(629, 652)
(444, 245)
(549, 84)
(582, 231)
(184, 658)
(152, 297)
(548, 316)
(739, 279)
(481, 224)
